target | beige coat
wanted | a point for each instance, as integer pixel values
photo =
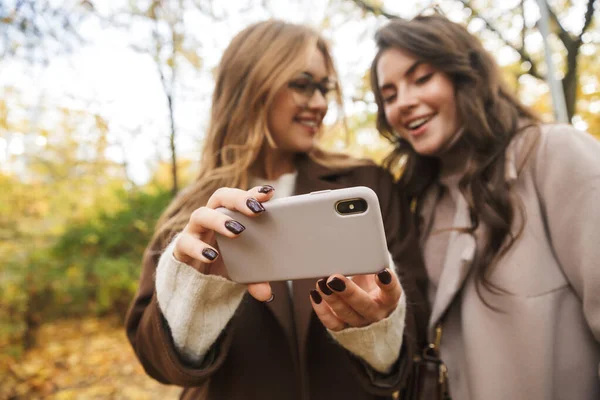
(545, 342)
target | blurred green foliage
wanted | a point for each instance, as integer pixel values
(91, 268)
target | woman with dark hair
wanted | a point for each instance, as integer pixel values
(190, 325)
(508, 213)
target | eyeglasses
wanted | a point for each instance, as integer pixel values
(305, 89)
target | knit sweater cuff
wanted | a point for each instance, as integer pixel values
(379, 343)
(197, 307)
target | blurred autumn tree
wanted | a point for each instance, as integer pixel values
(568, 41)
(35, 30)
(167, 35)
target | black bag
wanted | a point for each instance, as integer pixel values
(429, 379)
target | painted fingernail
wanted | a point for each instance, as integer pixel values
(270, 298)
(316, 297)
(323, 286)
(234, 226)
(210, 253)
(254, 205)
(337, 284)
(384, 277)
(266, 189)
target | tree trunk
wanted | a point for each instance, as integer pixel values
(175, 187)
(569, 83)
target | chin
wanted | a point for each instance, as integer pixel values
(426, 150)
(305, 147)
(429, 148)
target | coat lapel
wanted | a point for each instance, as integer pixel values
(281, 308)
(457, 264)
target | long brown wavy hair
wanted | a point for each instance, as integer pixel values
(491, 118)
(259, 61)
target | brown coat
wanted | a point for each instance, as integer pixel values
(263, 353)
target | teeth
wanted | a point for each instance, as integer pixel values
(416, 123)
(312, 124)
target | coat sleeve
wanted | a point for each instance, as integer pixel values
(151, 339)
(567, 173)
(397, 220)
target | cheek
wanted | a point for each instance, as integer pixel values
(446, 98)
(391, 116)
(452, 110)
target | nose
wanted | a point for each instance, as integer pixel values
(406, 101)
(317, 101)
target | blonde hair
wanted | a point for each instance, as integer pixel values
(258, 62)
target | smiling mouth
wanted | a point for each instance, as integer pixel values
(309, 123)
(417, 123)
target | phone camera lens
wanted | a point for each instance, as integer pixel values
(351, 206)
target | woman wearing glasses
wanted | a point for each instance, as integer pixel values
(508, 213)
(189, 325)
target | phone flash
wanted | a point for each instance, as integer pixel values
(351, 206)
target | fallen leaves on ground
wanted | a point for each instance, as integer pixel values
(80, 359)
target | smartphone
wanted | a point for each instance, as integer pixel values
(308, 236)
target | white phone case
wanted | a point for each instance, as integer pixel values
(305, 237)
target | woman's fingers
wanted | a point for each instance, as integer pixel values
(248, 202)
(354, 305)
(263, 193)
(188, 246)
(196, 244)
(346, 299)
(365, 282)
(205, 220)
(328, 318)
(390, 290)
(198, 254)
(261, 291)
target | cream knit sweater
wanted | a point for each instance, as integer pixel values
(197, 308)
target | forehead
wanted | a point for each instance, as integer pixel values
(316, 64)
(393, 64)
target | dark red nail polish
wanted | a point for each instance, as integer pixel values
(234, 226)
(384, 277)
(266, 189)
(316, 297)
(254, 205)
(337, 284)
(323, 286)
(210, 253)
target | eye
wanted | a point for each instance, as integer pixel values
(301, 84)
(423, 79)
(388, 97)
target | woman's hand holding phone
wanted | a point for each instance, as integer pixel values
(342, 302)
(196, 244)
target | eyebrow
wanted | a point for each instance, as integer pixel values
(409, 71)
(311, 76)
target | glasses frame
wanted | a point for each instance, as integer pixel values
(306, 91)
